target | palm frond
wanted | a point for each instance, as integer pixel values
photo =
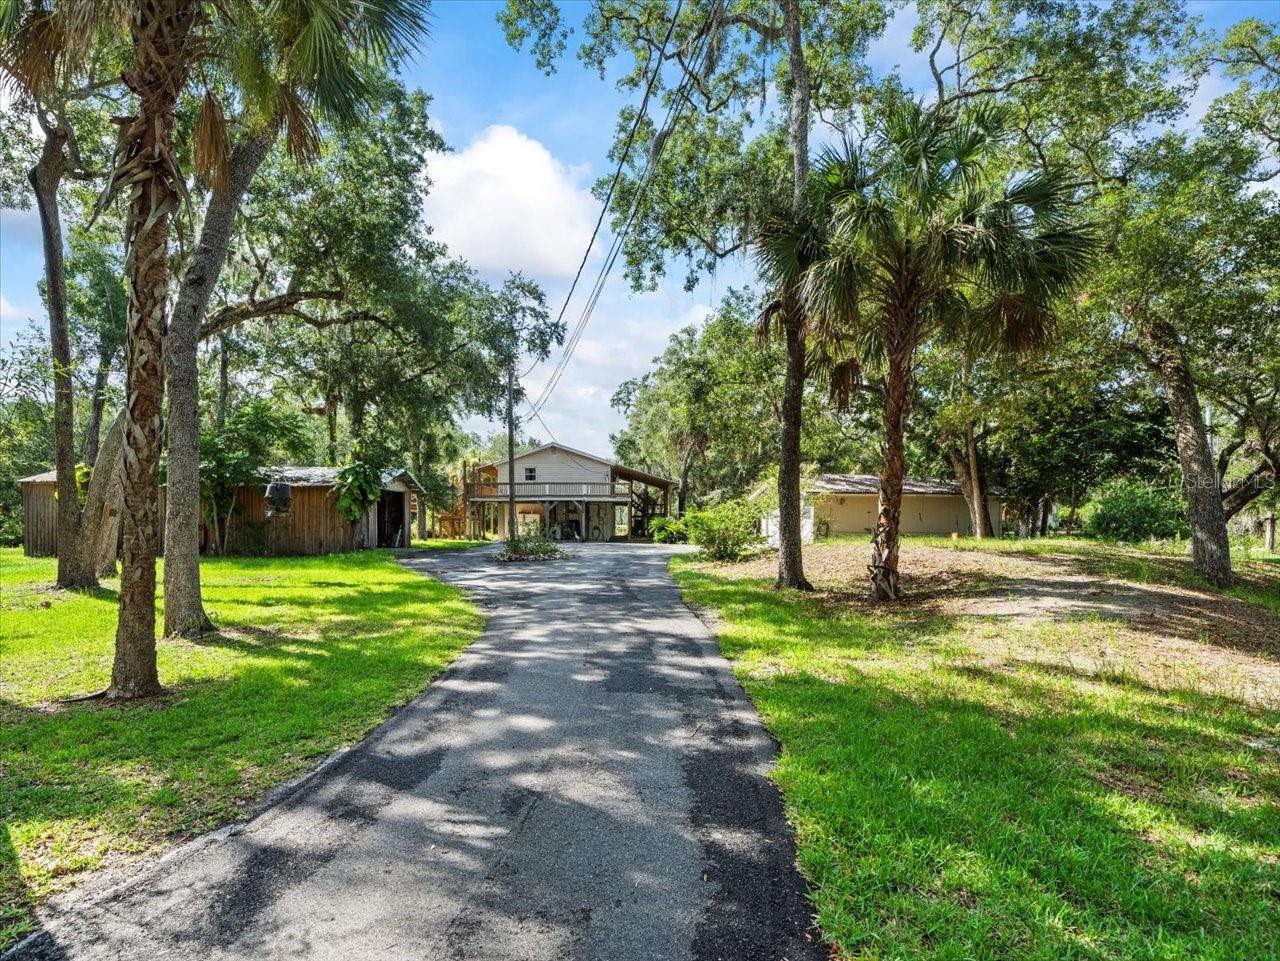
(210, 150)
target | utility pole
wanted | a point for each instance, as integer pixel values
(511, 452)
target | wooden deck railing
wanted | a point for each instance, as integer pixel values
(541, 490)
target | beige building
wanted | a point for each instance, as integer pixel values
(847, 503)
(571, 494)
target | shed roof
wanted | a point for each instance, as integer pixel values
(292, 475)
(870, 484)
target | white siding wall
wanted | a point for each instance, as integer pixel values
(557, 466)
(921, 513)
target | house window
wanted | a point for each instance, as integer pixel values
(531, 473)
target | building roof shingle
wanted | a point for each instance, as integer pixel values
(870, 484)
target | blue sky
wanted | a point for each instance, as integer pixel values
(514, 194)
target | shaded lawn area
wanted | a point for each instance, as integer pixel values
(444, 543)
(1156, 563)
(313, 654)
(955, 799)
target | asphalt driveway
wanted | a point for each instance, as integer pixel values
(587, 781)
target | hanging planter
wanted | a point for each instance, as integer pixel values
(279, 499)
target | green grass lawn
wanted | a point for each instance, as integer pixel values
(314, 653)
(444, 543)
(951, 803)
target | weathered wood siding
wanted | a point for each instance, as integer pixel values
(39, 520)
(313, 527)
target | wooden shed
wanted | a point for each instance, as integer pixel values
(313, 525)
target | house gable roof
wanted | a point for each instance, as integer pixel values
(573, 452)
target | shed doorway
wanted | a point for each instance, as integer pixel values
(391, 519)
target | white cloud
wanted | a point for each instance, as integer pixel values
(1211, 87)
(20, 227)
(11, 313)
(505, 203)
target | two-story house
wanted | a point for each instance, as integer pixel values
(572, 494)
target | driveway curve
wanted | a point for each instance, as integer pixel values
(587, 781)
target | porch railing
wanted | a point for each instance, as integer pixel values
(541, 490)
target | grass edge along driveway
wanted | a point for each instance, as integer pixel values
(949, 807)
(314, 652)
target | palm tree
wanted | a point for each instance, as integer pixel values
(284, 60)
(922, 233)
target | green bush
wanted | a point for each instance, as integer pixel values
(1132, 510)
(667, 530)
(531, 546)
(726, 531)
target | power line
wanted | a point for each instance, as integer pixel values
(622, 159)
(678, 101)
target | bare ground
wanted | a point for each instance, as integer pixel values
(1070, 610)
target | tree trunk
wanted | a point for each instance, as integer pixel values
(45, 178)
(160, 30)
(102, 503)
(1269, 533)
(331, 424)
(511, 456)
(959, 465)
(978, 482)
(790, 497)
(1210, 548)
(184, 613)
(1046, 507)
(93, 429)
(423, 532)
(884, 542)
(682, 492)
(224, 382)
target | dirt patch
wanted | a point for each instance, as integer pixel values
(1064, 610)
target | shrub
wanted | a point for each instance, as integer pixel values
(726, 531)
(1131, 510)
(667, 530)
(532, 546)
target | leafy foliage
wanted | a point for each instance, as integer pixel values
(1131, 510)
(668, 530)
(359, 486)
(726, 531)
(531, 546)
(239, 453)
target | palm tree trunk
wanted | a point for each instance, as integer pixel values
(160, 30)
(1210, 548)
(884, 542)
(45, 178)
(184, 613)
